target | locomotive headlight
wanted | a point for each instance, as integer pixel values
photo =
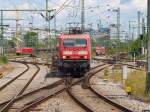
(85, 57)
(67, 52)
(64, 57)
(83, 52)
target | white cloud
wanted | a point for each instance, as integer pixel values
(24, 6)
(13, 14)
(139, 4)
(91, 3)
(132, 5)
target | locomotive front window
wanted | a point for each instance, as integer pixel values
(74, 43)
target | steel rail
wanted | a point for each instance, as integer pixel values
(109, 101)
(12, 80)
(30, 62)
(50, 86)
(40, 100)
(87, 108)
(104, 98)
(25, 10)
(84, 106)
(8, 105)
(112, 61)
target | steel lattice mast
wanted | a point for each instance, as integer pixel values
(82, 16)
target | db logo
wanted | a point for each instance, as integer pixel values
(76, 49)
(74, 52)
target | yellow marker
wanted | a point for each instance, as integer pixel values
(128, 90)
(1, 75)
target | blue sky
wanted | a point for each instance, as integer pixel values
(97, 11)
(125, 1)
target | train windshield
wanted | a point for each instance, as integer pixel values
(74, 43)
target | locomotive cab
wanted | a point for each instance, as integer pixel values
(75, 51)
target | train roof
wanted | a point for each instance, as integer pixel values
(75, 36)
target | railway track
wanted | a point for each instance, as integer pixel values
(104, 98)
(42, 94)
(87, 107)
(41, 99)
(109, 61)
(8, 105)
(31, 105)
(38, 101)
(25, 62)
(12, 80)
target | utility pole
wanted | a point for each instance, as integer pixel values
(147, 89)
(48, 15)
(143, 25)
(118, 24)
(46, 9)
(133, 29)
(2, 38)
(82, 16)
(126, 37)
(100, 25)
(118, 31)
(17, 30)
(139, 18)
(31, 23)
(55, 43)
(129, 27)
(118, 28)
(143, 34)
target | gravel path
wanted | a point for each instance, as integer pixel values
(18, 69)
(40, 80)
(59, 103)
(17, 85)
(93, 101)
(116, 93)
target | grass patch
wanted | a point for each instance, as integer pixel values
(3, 60)
(136, 80)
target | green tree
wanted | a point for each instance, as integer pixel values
(135, 47)
(11, 43)
(31, 39)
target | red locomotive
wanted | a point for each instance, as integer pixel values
(24, 51)
(74, 51)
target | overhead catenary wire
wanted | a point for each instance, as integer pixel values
(75, 13)
(63, 6)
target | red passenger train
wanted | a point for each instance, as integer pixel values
(26, 50)
(74, 51)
